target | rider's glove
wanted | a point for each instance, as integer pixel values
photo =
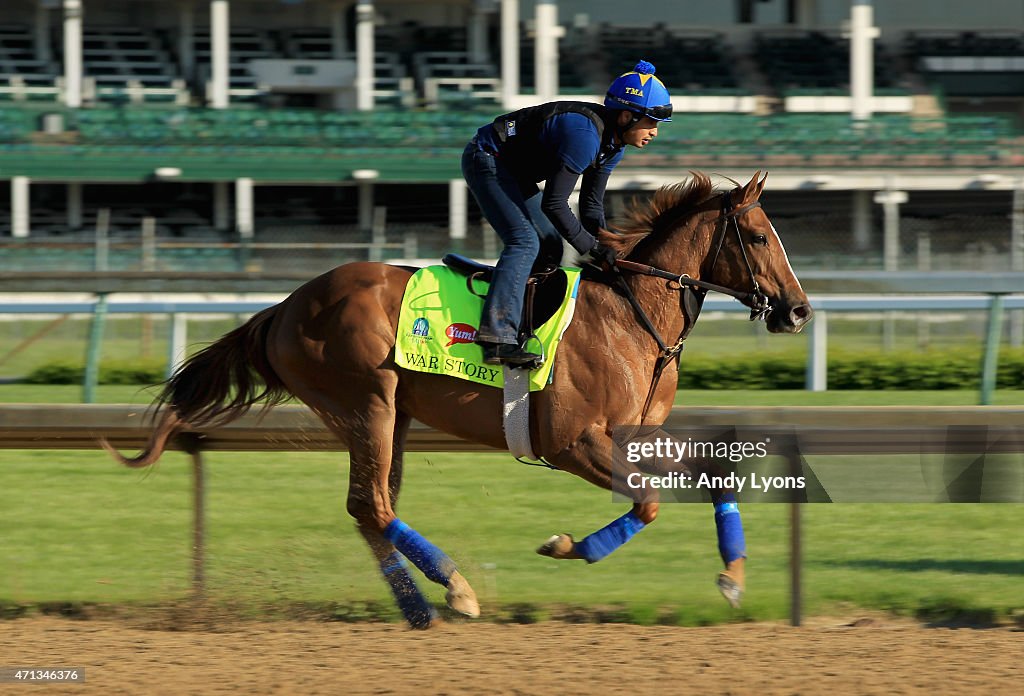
(601, 256)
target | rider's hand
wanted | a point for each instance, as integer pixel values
(601, 256)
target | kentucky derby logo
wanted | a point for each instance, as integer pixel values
(421, 327)
(459, 333)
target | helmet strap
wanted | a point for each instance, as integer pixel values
(634, 118)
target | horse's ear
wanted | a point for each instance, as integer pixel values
(751, 190)
(759, 188)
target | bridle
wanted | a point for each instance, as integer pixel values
(758, 301)
(694, 290)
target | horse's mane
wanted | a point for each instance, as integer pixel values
(645, 218)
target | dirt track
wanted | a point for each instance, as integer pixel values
(877, 655)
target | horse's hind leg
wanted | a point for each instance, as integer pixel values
(415, 607)
(373, 440)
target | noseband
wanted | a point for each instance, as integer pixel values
(694, 290)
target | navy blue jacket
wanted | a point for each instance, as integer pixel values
(557, 143)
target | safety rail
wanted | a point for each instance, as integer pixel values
(295, 428)
(995, 304)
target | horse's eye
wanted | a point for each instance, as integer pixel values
(761, 239)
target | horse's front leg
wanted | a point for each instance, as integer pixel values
(732, 545)
(590, 458)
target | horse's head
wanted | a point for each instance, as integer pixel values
(747, 255)
(723, 239)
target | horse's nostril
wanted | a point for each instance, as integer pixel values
(801, 314)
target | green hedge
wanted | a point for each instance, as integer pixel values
(142, 372)
(924, 370)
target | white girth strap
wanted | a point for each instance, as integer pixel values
(516, 413)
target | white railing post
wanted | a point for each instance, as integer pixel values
(817, 353)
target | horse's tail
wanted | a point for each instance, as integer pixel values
(215, 386)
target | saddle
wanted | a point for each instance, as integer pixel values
(545, 289)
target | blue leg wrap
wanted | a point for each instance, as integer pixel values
(424, 555)
(602, 542)
(731, 543)
(415, 608)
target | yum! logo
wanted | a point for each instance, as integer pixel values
(460, 333)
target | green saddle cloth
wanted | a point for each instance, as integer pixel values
(438, 321)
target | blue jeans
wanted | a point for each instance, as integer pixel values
(528, 236)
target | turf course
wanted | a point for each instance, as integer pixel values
(77, 528)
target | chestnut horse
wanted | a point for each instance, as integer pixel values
(331, 344)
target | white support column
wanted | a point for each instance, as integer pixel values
(220, 49)
(19, 206)
(73, 53)
(339, 29)
(862, 60)
(457, 208)
(221, 202)
(477, 38)
(546, 33)
(861, 220)
(364, 55)
(41, 39)
(244, 208)
(74, 205)
(509, 52)
(890, 201)
(186, 38)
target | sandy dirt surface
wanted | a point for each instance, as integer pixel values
(835, 656)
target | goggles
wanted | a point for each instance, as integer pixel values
(658, 113)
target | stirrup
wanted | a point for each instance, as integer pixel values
(509, 354)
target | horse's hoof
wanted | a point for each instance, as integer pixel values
(558, 546)
(730, 589)
(461, 597)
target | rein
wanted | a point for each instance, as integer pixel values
(694, 291)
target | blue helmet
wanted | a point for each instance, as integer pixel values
(641, 92)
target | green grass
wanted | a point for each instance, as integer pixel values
(77, 528)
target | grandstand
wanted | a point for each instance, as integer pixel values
(153, 131)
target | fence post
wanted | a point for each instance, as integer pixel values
(991, 360)
(147, 242)
(102, 239)
(190, 443)
(410, 246)
(378, 233)
(92, 350)
(176, 341)
(816, 378)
